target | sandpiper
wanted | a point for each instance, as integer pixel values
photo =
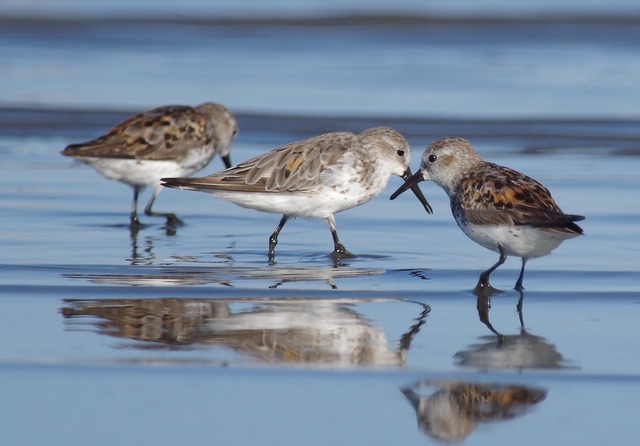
(497, 207)
(173, 140)
(314, 178)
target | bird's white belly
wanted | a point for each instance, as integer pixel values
(337, 189)
(520, 241)
(147, 172)
(309, 205)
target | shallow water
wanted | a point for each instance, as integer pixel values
(190, 335)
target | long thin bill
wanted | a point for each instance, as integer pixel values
(411, 182)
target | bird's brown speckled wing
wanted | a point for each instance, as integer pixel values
(161, 133)
(293, 168)
(498, 195)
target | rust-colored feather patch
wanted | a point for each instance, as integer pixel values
(493, 194)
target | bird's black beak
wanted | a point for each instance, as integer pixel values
(227, 161)
(411, 182)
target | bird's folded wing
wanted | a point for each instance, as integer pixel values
(159, 134)
(508, 197)
(293, 168)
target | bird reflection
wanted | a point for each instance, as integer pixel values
(147, 257)
(453, 409)
(287, 275)
(500, 351)
(297, 330)
(224, 273)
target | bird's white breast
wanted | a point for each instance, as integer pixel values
(520, 241)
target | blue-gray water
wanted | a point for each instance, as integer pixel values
(160, 337)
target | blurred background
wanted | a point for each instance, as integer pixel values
(577, 58)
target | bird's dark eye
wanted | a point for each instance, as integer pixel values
(400, 152)
(432, 158)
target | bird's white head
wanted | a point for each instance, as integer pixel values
(392, 147)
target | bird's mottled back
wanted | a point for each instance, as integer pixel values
(293, 168)
(163, 133)
(304, 165)
(493, 194)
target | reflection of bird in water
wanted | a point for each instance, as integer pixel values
(164, 321)
(311, 331)
(291, 274)
(147, 257)
(454, 409)
(223, 274)
(142, 250)
(520, 351)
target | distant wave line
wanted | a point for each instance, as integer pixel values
(337, 20)
(617, 136)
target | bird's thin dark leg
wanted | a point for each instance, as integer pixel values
(134, 207)
(339, 250)
(519, 286)
(483, 282)
(172, 220)
(273, 240)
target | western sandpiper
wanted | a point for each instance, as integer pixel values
(496, 207)
(314, 178)
(174, 140)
